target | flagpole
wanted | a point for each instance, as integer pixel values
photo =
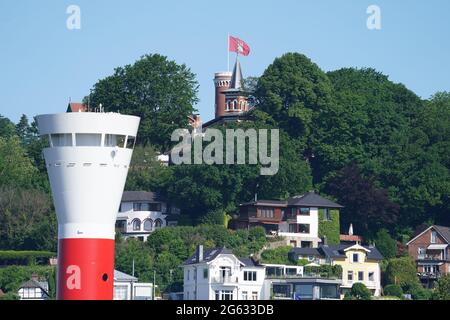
(228, 53)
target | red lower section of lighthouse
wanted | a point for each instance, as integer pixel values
(85, 269)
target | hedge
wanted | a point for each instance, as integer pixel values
(11, 257)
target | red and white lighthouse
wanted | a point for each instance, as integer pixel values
(87, 162)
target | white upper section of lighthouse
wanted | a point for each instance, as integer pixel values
(87, 162)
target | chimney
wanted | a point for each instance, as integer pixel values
(199, 253)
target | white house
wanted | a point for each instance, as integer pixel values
(141, 213)
(34, 289)
(217, 274)
(127, 287)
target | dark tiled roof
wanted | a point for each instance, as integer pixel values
(208, 255)
(444, 232)
(249, 262)
(276, 203)
(32, 284)
(311, 199)
(337, 251)
(129, 196)
(306, 251)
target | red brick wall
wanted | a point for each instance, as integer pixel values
(423, 241)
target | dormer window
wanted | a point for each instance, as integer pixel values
(355, 258)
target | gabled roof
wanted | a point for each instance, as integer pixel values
(444, 232)
(208, 255)
(338, 251)
(312, 199)
(121, 276)
(33, 284)
(129, 196)
(76, 107)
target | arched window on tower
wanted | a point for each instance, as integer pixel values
(136, 224)
(158, 224)
(228, 105)
(148, 224)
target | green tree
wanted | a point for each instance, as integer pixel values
(146, 172)
(442, 291)
(401, 271)
(7, 128)
(154, 88)
(291, 90)
(27, 220)
(278, 255)
(16, 169)
(358, 292)
(385, 244)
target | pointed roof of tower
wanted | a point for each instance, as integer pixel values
(236, 78)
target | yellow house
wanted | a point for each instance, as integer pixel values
(359, 264)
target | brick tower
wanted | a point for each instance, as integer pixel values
(222, 82)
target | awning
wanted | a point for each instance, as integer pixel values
(437, 246)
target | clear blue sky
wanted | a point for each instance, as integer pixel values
(42, 63)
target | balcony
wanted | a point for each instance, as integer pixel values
(430, 257)
(225, 280)
(429, 275)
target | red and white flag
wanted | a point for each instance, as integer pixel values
(239, 46)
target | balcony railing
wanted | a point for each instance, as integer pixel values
(429, 275)
(430, 257)
(225, 279)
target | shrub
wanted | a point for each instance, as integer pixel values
(393, 290)
(358, 292)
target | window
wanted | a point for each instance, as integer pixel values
(158, 223)
(61, 139)
(136, 224)
(254, 295)
(188, 274)
(154, 206)
(244, 295)
(304, 291)
(361, 276)
(303, 228)
(136, 207)
(145, 207)
(88, 139)
(120, 293)
(249, 275)
(292, 227)
(326, 214)
(371, 276)
(113, 140)
(421, 253)
(205, 273)
(433, 237)
(227, 295)
(304, 211)
(306, 244)
(130, 142)
(148, 225)
(217, 294)
(350, 275)
(266, 213)
(355, 257)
